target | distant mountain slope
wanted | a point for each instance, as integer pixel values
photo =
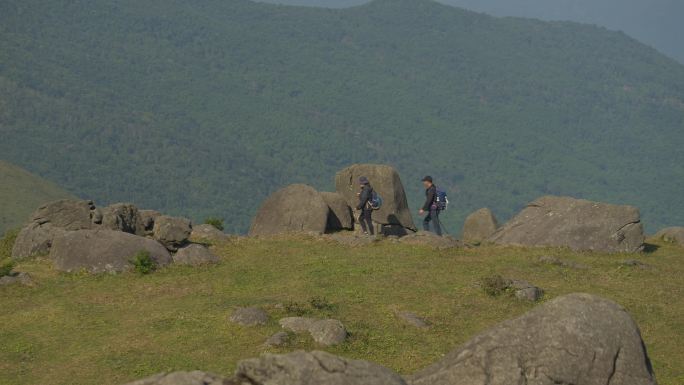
(21, 193)
(204, 108)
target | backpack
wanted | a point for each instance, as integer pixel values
(441, 200)
(376, 201)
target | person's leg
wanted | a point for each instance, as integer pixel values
(435, 222)
(426, 221)
(369, 221)
(362, 222)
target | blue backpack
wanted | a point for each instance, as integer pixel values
(376, 201)
(441, 200)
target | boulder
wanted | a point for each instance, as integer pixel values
(146, 221)
(340, 214)
(66, 214)
(98, 251)
(576, 339)
(49, 221)
(249, 316)
(182, 378)
(314, 368)
(278, 339)
(122, 217)
(205, 232)
(672, 235)
(426, 238)
(386, 182)
(296, 208)
(172, 232)
(574, 223)
(479, 226)
(194, 255)
(35, 240)
(326, 332)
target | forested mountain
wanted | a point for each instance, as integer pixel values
(21, 193)
(657, 23)
(205, 107)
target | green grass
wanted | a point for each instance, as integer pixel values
(109, 329)
(21, 193)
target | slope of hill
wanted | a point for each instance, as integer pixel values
(204, 108)
(21, 192)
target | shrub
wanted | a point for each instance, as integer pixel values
(143, 263)
(494, 285)
(295, 308)
(6, 268)
(216, 222)
(321, 303)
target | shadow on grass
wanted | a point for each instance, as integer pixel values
(650, 248)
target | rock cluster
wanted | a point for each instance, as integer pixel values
(300, 208)
(576, 339)
(79, 236)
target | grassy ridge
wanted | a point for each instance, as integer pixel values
(21, 193)
(76, 329)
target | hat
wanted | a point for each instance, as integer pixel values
(427, 179)
(364, 180)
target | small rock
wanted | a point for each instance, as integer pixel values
(207, 232)
(16, 278)
(182, 378)
(297, 324)
(413, 319)
(526, 291)
(194, 255)
(328, 332)
(562, 263)
(278, 339)
(249, 316)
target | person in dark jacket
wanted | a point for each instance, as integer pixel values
(364, 206)
(430, 207)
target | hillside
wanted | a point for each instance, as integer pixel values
(106, 329)
(21, 192)
(204, 108)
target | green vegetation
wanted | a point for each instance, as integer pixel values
(143, 263)
(22, 192)
(6, 268)
(205, 108)
(117, 328)
(6, 243)
(216, 222)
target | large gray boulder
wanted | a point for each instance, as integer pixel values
(146, 221)
(122, 217)
(98, 251)
(314, 368)
(182, 378)
(340, 215)
(172, 232)
(296, 208)
(385, 180)
(672, 235)
(49, 221)
(479, 226)
(577, 339)
(574, 223)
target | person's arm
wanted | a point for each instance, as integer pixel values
(429, 199)
(363, 199)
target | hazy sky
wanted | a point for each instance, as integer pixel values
(659, 23)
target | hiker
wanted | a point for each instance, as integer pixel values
(430, 207)
(365, 206)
